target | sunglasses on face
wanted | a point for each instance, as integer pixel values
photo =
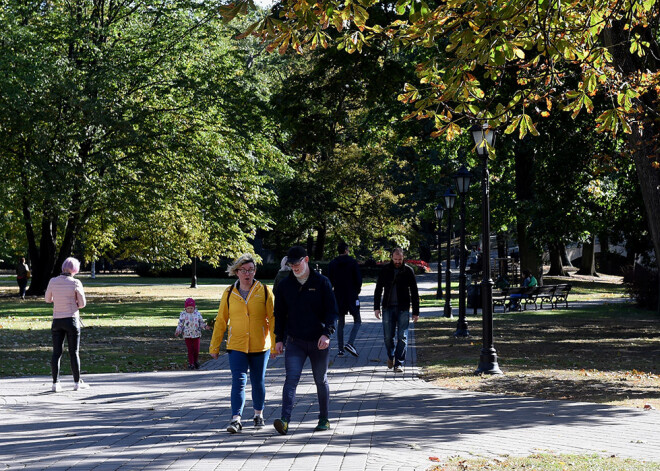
(246, 271)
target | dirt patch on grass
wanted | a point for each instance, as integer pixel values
(607, 354)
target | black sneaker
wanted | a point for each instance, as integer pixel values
(258, 421)
(235, 426)
(398, 369)
(191, 366)
(197, 365)
(281, 425)
(340, 353)
(351, 349)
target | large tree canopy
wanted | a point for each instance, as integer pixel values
(132, 126)
(561, 54)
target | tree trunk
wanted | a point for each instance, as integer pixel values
(565, 261)
(604, 260)
(501, 244)
(556, 264)
(310, 245)
(649, 180)
(642, 138)
(588, 265)
(319, 248)
(530, 251)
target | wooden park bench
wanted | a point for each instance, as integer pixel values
(503, 297)
(540, 294)
(537, 295)
(500, 298)
(560, 294)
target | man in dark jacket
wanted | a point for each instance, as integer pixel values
(398, 287)
(346, 278)
(305, 318)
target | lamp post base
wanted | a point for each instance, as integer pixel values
(448, 312)
(462, 332)
(488, 364)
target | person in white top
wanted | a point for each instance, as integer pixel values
(67, 295)
(191, 324)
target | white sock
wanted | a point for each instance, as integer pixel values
(235, 417)
(258, 413)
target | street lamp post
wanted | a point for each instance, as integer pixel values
(484, 137)
(450, 199)
(439, 211)
(462, 179)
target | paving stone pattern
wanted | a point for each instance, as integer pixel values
(380, 420)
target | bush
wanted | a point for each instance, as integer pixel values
(642, 285)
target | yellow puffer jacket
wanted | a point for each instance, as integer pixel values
(250, 324)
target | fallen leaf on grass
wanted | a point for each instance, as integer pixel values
(648, 407)
(434, 458)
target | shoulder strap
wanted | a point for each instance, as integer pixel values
(231, 288)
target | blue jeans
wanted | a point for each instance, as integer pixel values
(297, 351)
(239, 363)
(354, 311)
(396, 322)
(68, 328)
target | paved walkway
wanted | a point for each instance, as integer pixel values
(380, 420)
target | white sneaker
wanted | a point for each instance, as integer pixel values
(80, 385)
(57, 387)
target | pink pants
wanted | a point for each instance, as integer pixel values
(193, 349)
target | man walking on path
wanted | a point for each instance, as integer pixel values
(346, 278)
(305, 317)
(22, 276)
(398, 287)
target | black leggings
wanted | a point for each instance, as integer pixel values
(68, 327)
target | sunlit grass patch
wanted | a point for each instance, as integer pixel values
(544, 462)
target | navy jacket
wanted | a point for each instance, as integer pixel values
(306, 311)
(346, 278)
(405, 285)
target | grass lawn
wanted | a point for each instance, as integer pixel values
(545, 462)
(581, 290)
(129, 325)
(606, 353)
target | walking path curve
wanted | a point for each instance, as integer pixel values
(380, 420)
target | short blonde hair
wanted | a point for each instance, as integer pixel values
(239, 262)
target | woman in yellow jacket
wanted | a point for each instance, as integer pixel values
(246, 314)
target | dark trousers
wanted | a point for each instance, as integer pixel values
(22, 284)
(68, 328)
(354, 310)
(193, 349)
(297, 351)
